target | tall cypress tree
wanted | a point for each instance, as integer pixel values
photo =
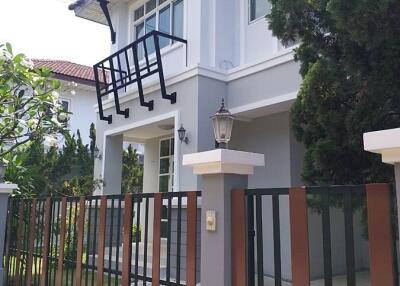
(349, 56)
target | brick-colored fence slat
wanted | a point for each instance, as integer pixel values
(63, 221)
(156, 239)
(191, 239)
(46, 242)
(31, 243)
(238, 238)
(127, 241)
(20, 233)
(380, 235)
(79, 250)
(299, 237)
(101, 242)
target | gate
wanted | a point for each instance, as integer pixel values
(103, 240)
(334, 235)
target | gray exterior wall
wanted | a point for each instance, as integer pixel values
(267, 84)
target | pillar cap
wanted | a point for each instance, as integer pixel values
(384, 142)
(223, 161)
(6, 188)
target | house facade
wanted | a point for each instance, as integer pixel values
(230, 53)
(209, 50)
(224, 50)
(77, 94)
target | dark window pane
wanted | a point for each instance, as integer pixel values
(172, 146)
(259, 8)
(164, 25)
(150, 25)
(177, 20)
(139, 13)
(150, 5)
(65, 105)
(163, 188)
(161, 1)
(164, 148)
(164, 166)
(140, 33)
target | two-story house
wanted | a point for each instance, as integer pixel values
(204, 51)
(228, 52)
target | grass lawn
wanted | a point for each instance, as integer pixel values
(52, 270)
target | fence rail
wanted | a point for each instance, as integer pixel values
(103, 240)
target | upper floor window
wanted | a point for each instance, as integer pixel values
(258, 9)
(162, 15)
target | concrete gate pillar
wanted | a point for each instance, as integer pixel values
(5, 191)
(221, 171)
(387, 143)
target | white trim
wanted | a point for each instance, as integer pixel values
(121, 129)
(6, 188)
(262, 103)
(166, 157)
(384, 142)
(224, 161)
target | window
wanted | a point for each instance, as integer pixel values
(166, 166)
(65, 104)
(166, 177)
(162, 15)
(259, 8)
(177, 27)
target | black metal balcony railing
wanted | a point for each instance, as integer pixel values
(122, 69)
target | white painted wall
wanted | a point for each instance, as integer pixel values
(219, 35)
(82, 107)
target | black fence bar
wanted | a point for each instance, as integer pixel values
(349, 238)
(277, 240)
(260, 249)
(326, 238)
(250, 239)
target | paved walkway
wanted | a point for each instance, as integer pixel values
(362, 279)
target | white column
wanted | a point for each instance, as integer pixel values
(222, 170)
(112, 165)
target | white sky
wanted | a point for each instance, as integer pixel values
(47, 29)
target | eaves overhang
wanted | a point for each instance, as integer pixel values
(91, 10)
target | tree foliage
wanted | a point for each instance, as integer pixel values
(29, 104)
(40, 170)
(349, 56)
(132, 171)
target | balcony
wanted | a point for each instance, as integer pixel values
(131, 65)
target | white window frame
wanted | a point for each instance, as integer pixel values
(66, 100)
(249, 20)
(171, 170)
(156, 12)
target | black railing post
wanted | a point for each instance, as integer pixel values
(172, 96)
(150, 104)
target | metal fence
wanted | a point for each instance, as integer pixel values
(103, 240)
(334, 235)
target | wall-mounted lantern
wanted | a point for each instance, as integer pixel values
(182, 135)
(97, 154)
(222, 122)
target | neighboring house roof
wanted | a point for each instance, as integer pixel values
(66, 70)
